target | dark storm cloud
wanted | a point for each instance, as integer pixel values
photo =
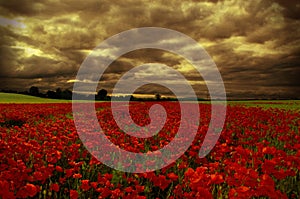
(7, 36)
(44, 84)
(31, 67)
(152, 89)
(255, 44)
(15, 7)
(291, 9)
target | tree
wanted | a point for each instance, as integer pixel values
(157, 96)
(51, 94)
(67, 94)
(34, 91)
(102, 94)
(58, 93)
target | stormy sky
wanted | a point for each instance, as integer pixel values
(254, 44)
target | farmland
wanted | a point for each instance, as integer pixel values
(256, 156)
(6, 98)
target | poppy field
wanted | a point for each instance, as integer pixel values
(41, 156)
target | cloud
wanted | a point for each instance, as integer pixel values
(255, 44)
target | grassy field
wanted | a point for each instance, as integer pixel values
(282, 104)
(18, 98)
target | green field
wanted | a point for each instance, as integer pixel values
(19, 98)
(282, 104)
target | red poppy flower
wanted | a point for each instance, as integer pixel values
(161, 182)
(128, 189)
(59, 169)
(4, 190)
(189, 172)
(29, 190)
(73, 194)
(216, 179)
(54, 187)
(85, 185)
(77, 176)
(203, 193)
(139, 188)
(172, 176)
(94, 185)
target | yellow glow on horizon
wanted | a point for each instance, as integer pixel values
(71, 81)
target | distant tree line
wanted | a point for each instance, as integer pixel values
(100, 96)
(59, 94)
